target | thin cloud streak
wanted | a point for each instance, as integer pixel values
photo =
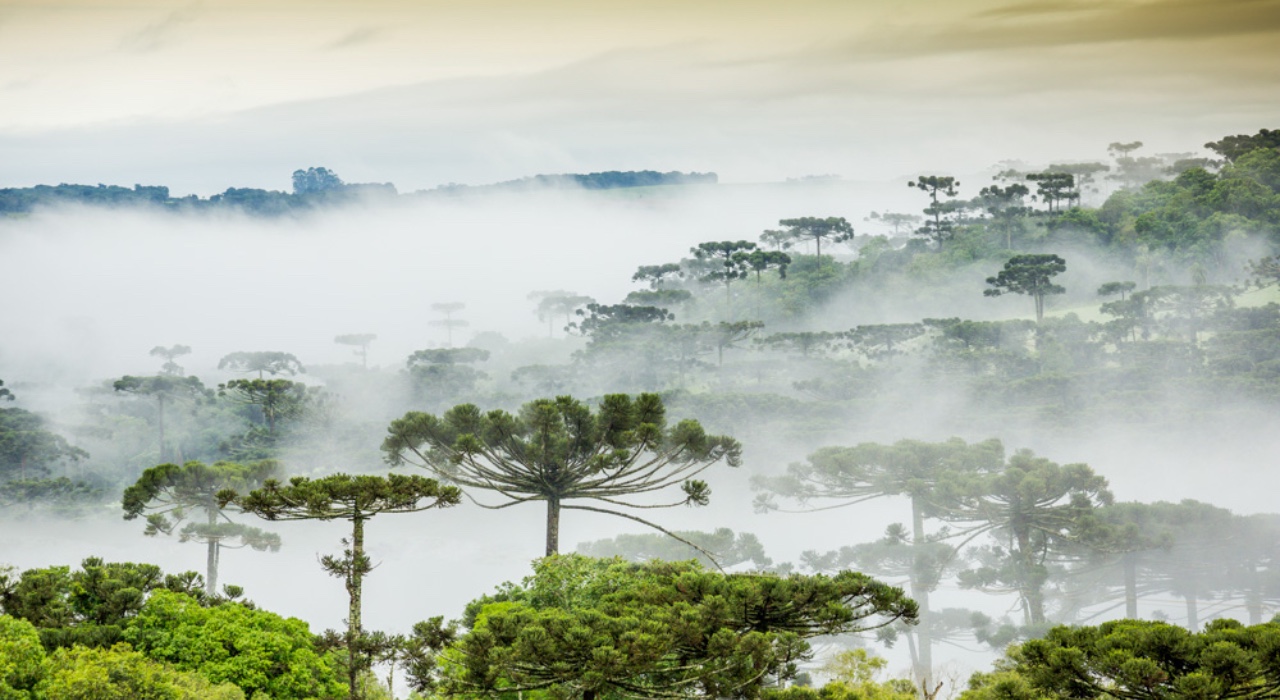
(356, 37)
(160, 34)
(1044, 25)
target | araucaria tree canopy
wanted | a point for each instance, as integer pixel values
(1030, 274)
(603, 628)
(557, 450)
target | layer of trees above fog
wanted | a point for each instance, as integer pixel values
(1157, 308)
(314, 188)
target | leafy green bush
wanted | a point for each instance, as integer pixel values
(254, 649)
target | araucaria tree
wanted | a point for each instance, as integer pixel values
(277, 399)
(937, 228)
(1031, 275)
(553, 304)
(1054, 188)
(603, 628)
(840, 476)
(354, 499)
(836, 229)
(1034, 506)
(361, 341)
(264, 362)
(449, 308)
(169, 494)
(557, 451)
(165, 389)
(171, 355)
(727, 262)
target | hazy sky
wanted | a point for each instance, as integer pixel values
(205, 95)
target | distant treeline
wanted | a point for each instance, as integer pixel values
(313, 188)
(613, 179)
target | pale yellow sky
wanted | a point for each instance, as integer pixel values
(69, 63)
(564, 81)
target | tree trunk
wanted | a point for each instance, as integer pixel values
(1032, 592)
(920, 592)
(211, 558)
(553, 525)
(269, 412)
(160, 423)
(913, 649)
(728, 298)
(1253, 596)
(1131, 585)
(353, 612)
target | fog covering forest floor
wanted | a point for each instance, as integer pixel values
(1167, 388)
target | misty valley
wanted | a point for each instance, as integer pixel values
(1007, 435)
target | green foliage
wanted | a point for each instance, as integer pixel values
(898, 689)
(1137, 659)
(119, 673)
(605, 627)
(28, 449)
(61, 494)
(1233, 147)
(21, 658)
(231, 643)
(852, 673)
(92, 605)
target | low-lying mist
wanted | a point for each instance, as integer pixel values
(93, 290)
(107, 285)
